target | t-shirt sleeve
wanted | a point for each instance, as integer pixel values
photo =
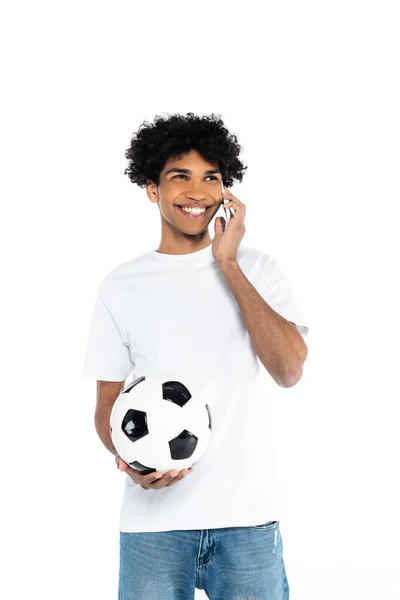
(277, 292)
(107, 356)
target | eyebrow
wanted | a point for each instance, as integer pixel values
(189, 172)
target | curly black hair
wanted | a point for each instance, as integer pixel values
(172, 136)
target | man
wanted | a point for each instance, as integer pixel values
(216, 309)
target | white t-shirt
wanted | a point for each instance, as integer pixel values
(158, 311)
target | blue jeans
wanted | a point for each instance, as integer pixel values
(229, 563)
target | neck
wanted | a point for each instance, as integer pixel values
(174, 242)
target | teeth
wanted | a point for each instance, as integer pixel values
(196, 211)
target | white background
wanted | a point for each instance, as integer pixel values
(311, 89)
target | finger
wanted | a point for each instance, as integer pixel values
(172, 478)
(232, 202)
(238, 207)
(230, 206)
(233, 198)
(152, 477)
(137, 476)
(232, 209)
(121, 464)
(180, 476)
(162, 482)
(145, 481)
(150, 480)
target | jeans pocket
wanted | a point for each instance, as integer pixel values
(264, 526)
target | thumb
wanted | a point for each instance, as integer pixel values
(121, 464)
(219, 226)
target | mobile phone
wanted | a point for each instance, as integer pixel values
(227, 210)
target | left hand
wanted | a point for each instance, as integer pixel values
(227, 239)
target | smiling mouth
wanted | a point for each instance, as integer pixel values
(197, 215)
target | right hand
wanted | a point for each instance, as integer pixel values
(152, 481)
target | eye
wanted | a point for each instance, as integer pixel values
(182, 175)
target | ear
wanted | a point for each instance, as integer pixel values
(152, 191)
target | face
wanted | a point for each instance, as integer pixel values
(190, 181)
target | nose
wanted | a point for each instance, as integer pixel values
(196, 196)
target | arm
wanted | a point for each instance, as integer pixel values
(279, 346)
(107, 393)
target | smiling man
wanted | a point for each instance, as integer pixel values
(220, 312)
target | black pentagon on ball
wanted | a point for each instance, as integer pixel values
(183, 445)
(134, 424)
(176, 392)
(142, 468)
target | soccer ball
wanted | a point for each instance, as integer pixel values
(160, 424)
